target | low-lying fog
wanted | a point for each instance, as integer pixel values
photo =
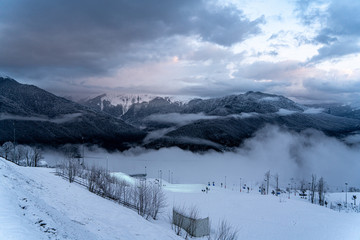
(291, 155)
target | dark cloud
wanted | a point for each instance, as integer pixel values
(325, 39)
(343, 18)
(67, 38)
(332, 86)
(337, 49)
(274, 71)
(307, 11)
(341, 32)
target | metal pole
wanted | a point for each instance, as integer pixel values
(160, 178)
(240, 184)
(83, 148)
(107, 164)
(289, 189)
(225, 181)
(346, 194)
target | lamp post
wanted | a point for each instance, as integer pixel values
(160, 178)
(346, 194)
(107, 164)
(240, 184)
(14, 157)
(83, 150)
(289, 189)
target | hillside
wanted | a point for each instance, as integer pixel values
(119, 122)
(40, 117)
(39, 205)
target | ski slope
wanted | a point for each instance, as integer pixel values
(71, 210)
(37, 204)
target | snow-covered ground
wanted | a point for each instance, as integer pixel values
(36, 204)
(258, 216)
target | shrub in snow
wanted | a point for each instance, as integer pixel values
(146, 197)
(190, 222)
(225, 232)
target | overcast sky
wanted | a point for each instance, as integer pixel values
(306, 50)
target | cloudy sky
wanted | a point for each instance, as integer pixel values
(306, 50)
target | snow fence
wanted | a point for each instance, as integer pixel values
(195, 227)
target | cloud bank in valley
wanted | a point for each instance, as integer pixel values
(290, 154)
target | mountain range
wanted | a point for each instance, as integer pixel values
(124, 120)
(39, 117)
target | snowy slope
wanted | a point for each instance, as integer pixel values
(269, 217)
(67, 211)
(40, 205)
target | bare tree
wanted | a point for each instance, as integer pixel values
(72, 169)
(142, 197)
(92, 175)
(193, 215)
(7, 147)
(185, 219)
(158, 200)
(121, 190)
(177, 219)
(303, 187)
(321, 191)
(313, 187)
(37, 156)
(276, 177)
(28, 152)
(18, 154)
(226, 232)
(267, 179)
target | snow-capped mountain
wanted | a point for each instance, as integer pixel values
(123, 120)
(118, 104)
(221, 123)
(40, 117)
(342, 110)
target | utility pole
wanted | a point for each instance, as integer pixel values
(107, 164)
(289, 189)
(14, 158)
(83, 150)
(346, 194)
(240, 184)
(160, 178)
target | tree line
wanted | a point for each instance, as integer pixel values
(23, 155)
(146, 197)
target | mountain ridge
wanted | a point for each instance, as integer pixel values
(41, 117)
(220, 123)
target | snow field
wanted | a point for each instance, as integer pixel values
(70, 211)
